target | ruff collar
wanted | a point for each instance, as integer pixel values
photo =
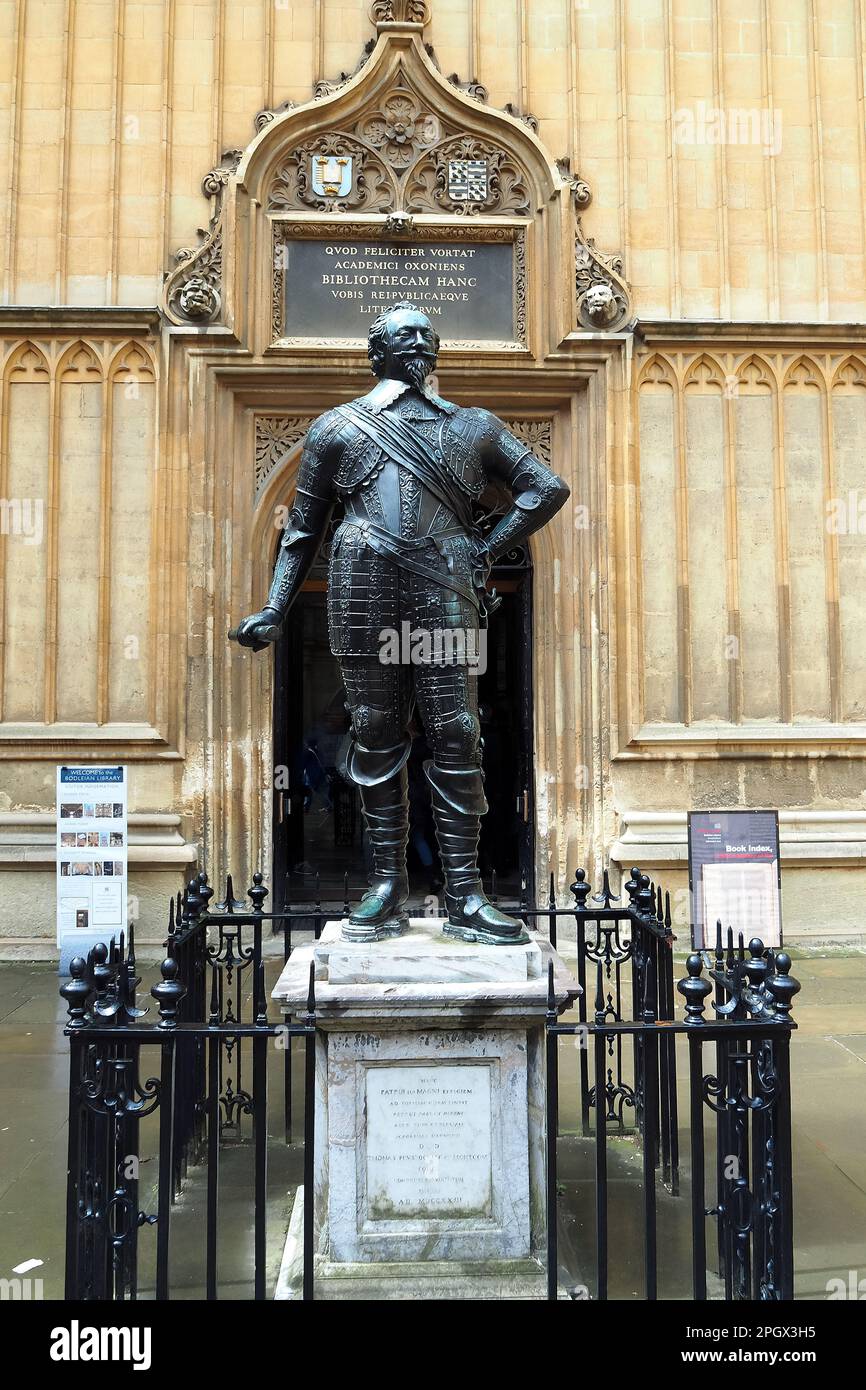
(389, 390)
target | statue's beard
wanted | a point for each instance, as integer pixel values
(415, 369)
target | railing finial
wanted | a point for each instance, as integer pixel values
(782, 985)
(76, 991)
(168, 993)
(694, 989)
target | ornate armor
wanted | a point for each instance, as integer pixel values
(409, 468)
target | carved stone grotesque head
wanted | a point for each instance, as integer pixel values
(197, 299)
(399, 224)
(599, 305)
(403, 344)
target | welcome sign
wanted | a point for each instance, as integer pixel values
(92, 855)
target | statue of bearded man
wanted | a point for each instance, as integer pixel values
(409, 469)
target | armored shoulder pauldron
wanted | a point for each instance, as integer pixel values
(461, 455)
(360, 461)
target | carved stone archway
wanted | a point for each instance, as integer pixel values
(431, 163)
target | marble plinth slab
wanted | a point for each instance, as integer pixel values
(430, 1110)
(425, 955)
(423, 975)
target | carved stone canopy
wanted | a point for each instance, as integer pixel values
(398, 142)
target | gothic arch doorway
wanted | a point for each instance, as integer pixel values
(317, 827)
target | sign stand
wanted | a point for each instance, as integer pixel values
(735, 876)
(92, 858)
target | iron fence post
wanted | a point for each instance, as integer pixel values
(551, 1044)
(310, 1139)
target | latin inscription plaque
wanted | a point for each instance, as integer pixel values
(334, 289)
(428, 1142)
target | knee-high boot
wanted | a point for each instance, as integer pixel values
(382, 779)
(458, 805)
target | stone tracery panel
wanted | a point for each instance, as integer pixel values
(751, 606)
(77, 543)
(276, 437)
(402, 151)
(847, 522)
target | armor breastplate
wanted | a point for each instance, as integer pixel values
(390, 493)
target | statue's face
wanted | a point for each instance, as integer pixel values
(410, 353)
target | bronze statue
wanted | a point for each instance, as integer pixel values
(409, 469)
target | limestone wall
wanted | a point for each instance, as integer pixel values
(112, 110)
(84, 580)
(700, 630)
(743, 678)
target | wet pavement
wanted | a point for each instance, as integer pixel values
(829, 1139)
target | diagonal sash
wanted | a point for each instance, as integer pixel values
(412, 450)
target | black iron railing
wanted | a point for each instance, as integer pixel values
(747, 1095)
(201, 1068)
(209, 1065)
(624, 954)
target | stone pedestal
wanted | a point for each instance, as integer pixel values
(430, 1115)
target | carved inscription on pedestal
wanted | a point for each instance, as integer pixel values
(429, 1150)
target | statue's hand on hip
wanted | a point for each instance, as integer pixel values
(258, 630)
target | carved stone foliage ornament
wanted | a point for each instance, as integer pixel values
(404, 158)
(580, 189)
(400, 12)
(276, 437)
(603, 299)
(268, 114)
(530, 121)
(537, 435)
(192, 292)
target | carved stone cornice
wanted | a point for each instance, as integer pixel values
(72, 319)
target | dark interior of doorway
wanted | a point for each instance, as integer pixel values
(318, 835)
